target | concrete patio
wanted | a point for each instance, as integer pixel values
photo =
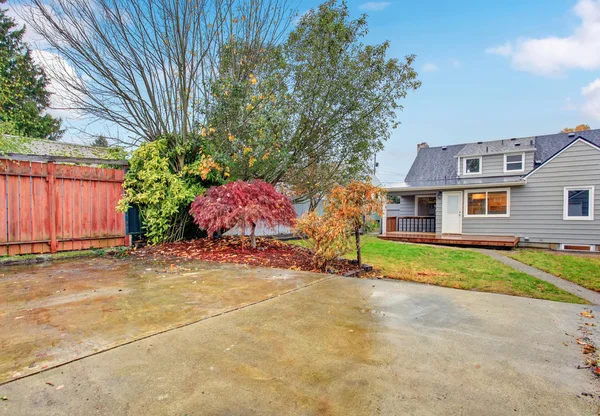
(268, 341)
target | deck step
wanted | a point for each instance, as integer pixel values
(453, 240)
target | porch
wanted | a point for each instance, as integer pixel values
(452, 239)
(419, 224)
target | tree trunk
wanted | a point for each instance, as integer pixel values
(357, 234)
(253, 236)
(243, 227)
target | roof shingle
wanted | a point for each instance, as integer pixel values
(435, 164)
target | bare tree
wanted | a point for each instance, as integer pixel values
(147, 65)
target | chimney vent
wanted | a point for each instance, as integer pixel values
(420, 146)
(571, 134)
(444, 147)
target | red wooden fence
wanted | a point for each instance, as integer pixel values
(47, 207)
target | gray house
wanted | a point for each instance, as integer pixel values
(532, 191)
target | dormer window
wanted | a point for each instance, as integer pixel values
(472, 166)
(514, 162)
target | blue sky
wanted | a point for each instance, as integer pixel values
(473, 90)
(490, 69)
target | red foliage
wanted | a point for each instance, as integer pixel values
(242, 204)
(272, 253)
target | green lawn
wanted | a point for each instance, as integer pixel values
(578, 268)
(461, 269)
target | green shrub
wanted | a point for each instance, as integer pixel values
(162, 192)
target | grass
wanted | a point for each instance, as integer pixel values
(61, 255)
(578, 268)
(455, 268)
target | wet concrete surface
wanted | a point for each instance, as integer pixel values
(340, 346)
(56, 312)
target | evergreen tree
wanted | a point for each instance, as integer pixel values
(100, 141)
(23, 93)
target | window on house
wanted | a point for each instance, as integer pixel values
(579, 203)
(472, 165)
(514, 163)
(488, 203)
(425, 206)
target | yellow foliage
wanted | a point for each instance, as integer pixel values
(346, 211)
(326, 237)
(355, 202)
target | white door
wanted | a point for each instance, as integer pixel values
(452, 213)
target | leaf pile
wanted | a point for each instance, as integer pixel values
(269, 253)
(586, 343)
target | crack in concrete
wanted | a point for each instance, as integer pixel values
(173, 328)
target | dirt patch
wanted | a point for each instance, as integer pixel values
(269, 253)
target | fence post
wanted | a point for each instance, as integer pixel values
(53, 242)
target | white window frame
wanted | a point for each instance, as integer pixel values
(566, 216)
(591, 247)
(417, 202)
(522, 162)
(464, 165)
(486, 215)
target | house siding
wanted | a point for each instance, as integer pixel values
(493, 165)
(536, 209)
(406, 207)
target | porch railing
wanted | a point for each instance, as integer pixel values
(411, 224)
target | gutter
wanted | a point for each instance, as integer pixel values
(459, 186)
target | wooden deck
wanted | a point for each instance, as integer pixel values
(452, 239)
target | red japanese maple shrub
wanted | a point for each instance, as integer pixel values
(242, 204)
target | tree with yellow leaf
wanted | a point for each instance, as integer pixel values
(314, 108)
(354, 205)
(580, 127)
(347, 212)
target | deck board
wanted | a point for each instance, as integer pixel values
(453, 240)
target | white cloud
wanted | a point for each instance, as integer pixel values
(17, 12)
(502, 50)
(430, 67)
(552, 55)
(374, 6)
(62, 98)
(455, 63)
(591, 94)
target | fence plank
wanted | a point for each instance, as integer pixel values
(76, 213)
(13, 209)
(95, 210)
(39, 200)
(25, 207)
(3, 211)
(42, 203)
